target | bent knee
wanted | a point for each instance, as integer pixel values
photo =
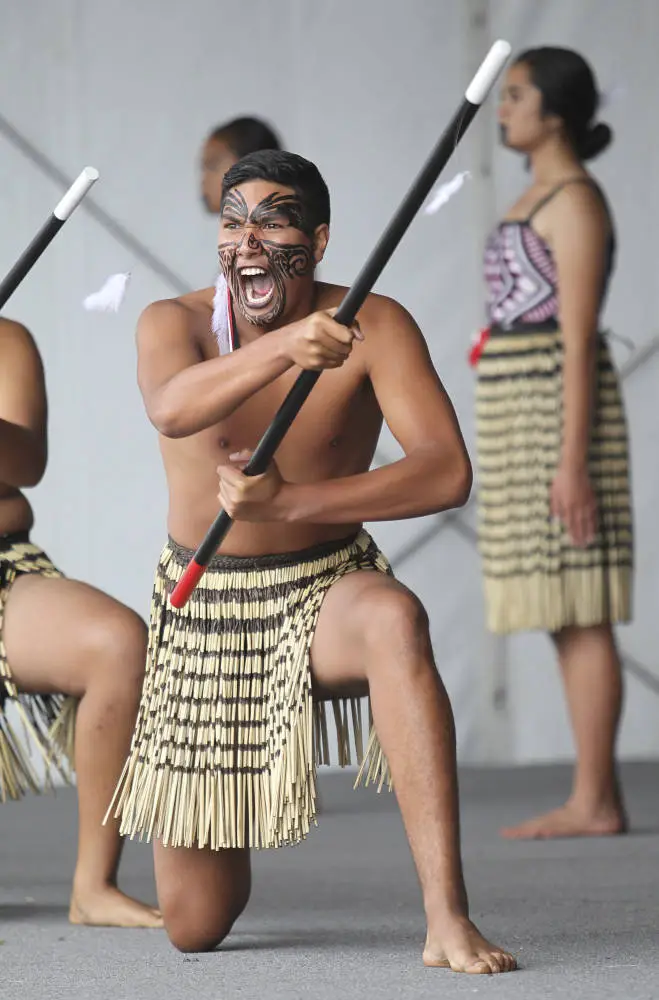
(191, 931)
(187, 937)
(393, 617)
(117, 641)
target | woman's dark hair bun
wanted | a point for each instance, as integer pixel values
(594, 141)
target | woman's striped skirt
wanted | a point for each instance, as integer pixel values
(534, 577)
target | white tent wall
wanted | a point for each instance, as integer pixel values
(363, 89)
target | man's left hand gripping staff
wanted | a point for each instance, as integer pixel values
(251, 498)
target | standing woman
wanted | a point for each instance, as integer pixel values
(555, 508)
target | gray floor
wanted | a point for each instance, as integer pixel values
(339, 916)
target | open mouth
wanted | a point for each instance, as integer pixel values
(257, 286)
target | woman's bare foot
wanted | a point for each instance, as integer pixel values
(108, 907)
(461, 947)
(570, 821)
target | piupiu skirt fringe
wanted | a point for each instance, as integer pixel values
(534, 577)
(48, 719)
(228, 735)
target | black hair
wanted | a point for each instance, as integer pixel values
(246, 135)
(568, 88)
(289, 170)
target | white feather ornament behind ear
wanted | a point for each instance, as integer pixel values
(221, 323)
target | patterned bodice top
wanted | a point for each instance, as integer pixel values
(520, 273)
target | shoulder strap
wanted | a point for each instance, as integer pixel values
(554, 191)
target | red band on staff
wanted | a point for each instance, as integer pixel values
(181, 593)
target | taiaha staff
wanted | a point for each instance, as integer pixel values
(475, 95)
(62, 211)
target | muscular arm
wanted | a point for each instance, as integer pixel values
(579, 233)
(184, 394)
(435, 473)
(23, 444)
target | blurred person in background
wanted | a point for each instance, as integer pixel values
(555, 518)
(224, 146)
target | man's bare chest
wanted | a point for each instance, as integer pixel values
(341, 415)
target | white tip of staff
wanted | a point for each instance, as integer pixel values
(110, 296)
(81, 185)
(487, 73)
(445, 192)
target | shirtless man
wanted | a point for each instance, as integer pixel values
(205, 791)
(59, 637)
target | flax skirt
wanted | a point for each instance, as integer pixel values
(534, 577)
(228, 734)
(47, 721)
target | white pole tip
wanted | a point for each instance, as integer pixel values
(488, 72)
(502, 48)
(81, 185)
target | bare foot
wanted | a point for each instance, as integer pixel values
(570, 821)
(461, 947)
(108, 907)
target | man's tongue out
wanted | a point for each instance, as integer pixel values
(258, 286)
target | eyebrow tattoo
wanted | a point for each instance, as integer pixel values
(234, 206)
(274, 206)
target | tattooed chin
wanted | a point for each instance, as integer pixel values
(260, 292)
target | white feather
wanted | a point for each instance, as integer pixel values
(110, 296)
(445, 192)
(220, 321)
